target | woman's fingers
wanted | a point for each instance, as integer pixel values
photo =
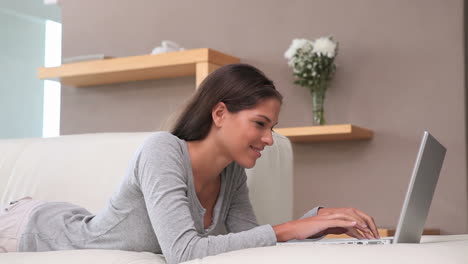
(360, 223)
(352, 232)
(316, 226)
(341, 223)
(369, 235)
(370, 221)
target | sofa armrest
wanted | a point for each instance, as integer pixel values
(271, 183)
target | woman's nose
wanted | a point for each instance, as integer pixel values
(268, 138)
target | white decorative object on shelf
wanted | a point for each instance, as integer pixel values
(167, 46)
(86, 57)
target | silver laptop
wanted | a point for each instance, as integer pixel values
(418, 197)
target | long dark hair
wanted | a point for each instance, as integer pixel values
(239, 86)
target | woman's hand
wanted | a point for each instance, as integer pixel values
(329, 221)
(366, 228)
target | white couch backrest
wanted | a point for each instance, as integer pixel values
(85, 170)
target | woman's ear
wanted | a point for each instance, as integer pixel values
(219, 114)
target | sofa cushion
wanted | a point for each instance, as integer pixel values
(81, 169)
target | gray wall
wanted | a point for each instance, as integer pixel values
(400, 71)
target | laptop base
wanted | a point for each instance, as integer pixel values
(341, 241)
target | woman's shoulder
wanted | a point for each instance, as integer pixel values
(162, 151)
(162, 138)
(162, 142)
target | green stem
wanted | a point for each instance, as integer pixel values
(318, 100)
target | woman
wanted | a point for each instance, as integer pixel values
(185, 192)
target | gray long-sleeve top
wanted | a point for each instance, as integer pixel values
(155, 209)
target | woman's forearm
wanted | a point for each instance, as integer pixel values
(285, 231)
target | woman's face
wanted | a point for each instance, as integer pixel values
(247, 132)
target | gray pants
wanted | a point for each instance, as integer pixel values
(13, 219)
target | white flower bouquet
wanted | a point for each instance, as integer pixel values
(313, 64)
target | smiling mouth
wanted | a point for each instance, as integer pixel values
(257, 150)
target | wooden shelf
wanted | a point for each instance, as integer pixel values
(198, 62)
(325, 133)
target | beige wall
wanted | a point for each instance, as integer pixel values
(400, 71)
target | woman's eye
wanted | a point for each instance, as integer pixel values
(260, 124)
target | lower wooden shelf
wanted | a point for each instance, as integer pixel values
(383, 232)
(325, 133)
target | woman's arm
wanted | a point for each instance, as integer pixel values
(314, 224)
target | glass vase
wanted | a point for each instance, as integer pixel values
(318, 100)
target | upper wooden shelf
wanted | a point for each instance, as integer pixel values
(325, 133)
(198, 62)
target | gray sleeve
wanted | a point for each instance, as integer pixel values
(160, 173)
(241, 216)
(312, 212)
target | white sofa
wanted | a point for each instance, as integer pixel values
(58, 168)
